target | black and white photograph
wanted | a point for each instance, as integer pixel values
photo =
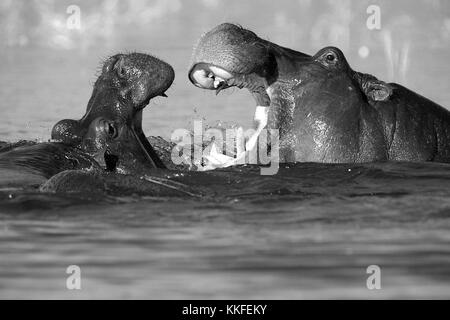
(210, 150)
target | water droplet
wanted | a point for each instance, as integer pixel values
(363, 52)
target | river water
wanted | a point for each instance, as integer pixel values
(311, 231)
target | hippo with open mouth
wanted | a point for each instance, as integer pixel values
(111, 128)
(109, 136)
(324, 110)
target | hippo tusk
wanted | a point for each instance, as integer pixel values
(261, 118)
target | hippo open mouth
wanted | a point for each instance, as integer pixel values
(111, 129)
(207, 76)
(231, 56)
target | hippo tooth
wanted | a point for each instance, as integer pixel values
(218, 82)
(261, 119)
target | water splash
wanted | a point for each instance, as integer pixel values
(397, 59)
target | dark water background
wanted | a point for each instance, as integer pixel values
(309, 232)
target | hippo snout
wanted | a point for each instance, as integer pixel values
(231, 48)
(139, 77)
(158, 77)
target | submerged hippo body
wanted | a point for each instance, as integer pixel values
(324, 110)
(30, 164)
(108, 137)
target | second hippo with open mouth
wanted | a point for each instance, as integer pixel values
(108, 137)
(324, 110)
(111, 128)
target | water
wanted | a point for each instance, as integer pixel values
(309, 232)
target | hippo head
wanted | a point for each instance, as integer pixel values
(231, 56)
(111, 129)
(303, 96)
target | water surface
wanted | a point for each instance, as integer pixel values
(309, 232)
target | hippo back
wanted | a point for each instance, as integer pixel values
(416, 128)
(31, 164)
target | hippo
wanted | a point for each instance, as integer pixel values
(109, 136)
(324, 110)
(124, 88)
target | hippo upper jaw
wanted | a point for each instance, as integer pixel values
(231, 56)
(213, 77)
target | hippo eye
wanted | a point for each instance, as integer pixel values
(111, 130)
(330, 57)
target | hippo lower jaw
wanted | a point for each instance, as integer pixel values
(146, 148)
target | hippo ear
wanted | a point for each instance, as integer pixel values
(120, 68)
(377, 90)
(110, 63)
